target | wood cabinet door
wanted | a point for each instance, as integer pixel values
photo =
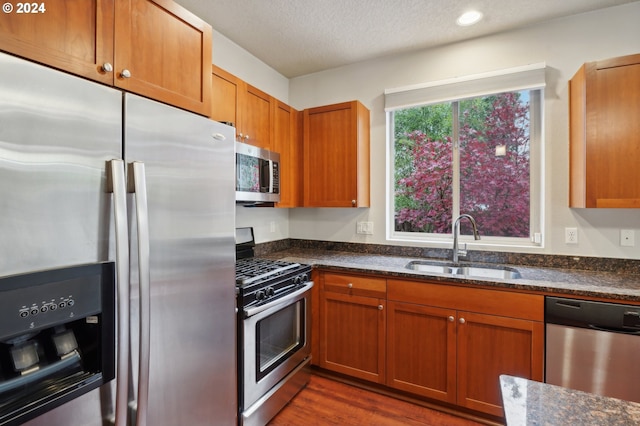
(72, 35)
(287, 142)
(257, 117)
(352, 335)
(604, 134)
(330, 156)
(613, 163)
(421, 350)
(225, 96)
(166, 51)
(489, 346)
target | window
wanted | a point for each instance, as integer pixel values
(476, 150)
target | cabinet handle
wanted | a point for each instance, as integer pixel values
(451, 318)
(380, 307)
(125, 73)
(107, 67)
(349, 285)
(462, 320)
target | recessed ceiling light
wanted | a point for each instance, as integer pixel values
(469, 18)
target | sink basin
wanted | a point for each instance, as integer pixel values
(431, 267)
(465, 270)
(500, 272)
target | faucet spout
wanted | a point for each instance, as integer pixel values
(456, 233)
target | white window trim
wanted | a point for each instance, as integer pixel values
(529, 77)
(471, 86)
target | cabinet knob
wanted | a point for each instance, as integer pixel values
(350, 285)
(353, 202)
(125, 73)
(451, 318)
(462, 320)
(107, 67)
(380, 307)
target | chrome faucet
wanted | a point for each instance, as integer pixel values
(456, 232)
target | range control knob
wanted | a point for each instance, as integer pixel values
(261, 295)
(270, 291)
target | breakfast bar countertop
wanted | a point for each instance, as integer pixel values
(527, 402)
(611, 284)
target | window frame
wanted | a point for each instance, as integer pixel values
(517, 79)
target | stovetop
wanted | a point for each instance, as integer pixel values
(254, 270)
(260, 280)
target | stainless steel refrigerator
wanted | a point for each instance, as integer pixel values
(69, 150)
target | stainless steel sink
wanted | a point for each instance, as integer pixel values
(431, 267)
(465, 270)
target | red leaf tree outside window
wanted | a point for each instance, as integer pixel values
(494, 189)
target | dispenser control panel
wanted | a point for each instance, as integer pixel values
(35, 305)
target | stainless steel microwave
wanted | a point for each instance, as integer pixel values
(257, 174)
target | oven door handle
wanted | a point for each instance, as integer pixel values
(249, 312)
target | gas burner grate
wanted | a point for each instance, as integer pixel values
(256, 269)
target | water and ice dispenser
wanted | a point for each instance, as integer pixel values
(57, 337)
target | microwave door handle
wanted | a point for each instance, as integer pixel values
(270, 176)
(116, 185)
(138, 185)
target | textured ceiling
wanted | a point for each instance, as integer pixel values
(297, 37)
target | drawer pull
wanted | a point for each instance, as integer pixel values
(350, 285)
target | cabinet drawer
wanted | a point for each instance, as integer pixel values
(355, 285)
(495, 302)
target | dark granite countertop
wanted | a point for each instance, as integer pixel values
(533, 403)
(622, 286)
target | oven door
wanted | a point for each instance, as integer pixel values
(276, 340)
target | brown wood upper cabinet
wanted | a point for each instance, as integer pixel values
(251, 110)
(604, 133)
(336, 155)
(287, 142)
(263, 121)
(154, 48)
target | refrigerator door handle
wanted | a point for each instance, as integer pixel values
(138, 185)
(116, 185)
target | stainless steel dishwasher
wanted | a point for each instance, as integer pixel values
(593, 347)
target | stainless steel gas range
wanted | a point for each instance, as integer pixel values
(274, 345)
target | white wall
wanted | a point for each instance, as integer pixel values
(563, 44)
(234, 59)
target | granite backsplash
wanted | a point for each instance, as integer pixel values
(601, 264)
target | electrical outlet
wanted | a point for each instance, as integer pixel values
(627, 238)
(364, 228)
(571, 235)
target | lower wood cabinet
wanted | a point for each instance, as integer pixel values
(352, 326)
(421, 350)
(443, 342)
(490, 345)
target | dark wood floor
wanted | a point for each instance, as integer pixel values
(328, 402)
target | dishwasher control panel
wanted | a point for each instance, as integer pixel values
(615, 317)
